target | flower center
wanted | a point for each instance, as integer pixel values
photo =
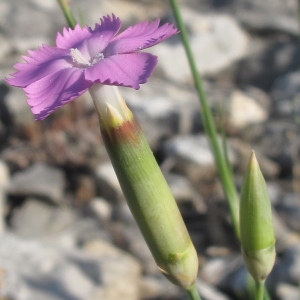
(97, 57)
(79, 60)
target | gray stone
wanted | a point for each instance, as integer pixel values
(287, 269)
(275, 192)
(85, 189)
(123, 9)
(243, 151)
(100, 208)
(236, 111)
(33, 26)
(86, 230)
(286, 86)
(285, 237)
(162, 109)
(279, 142)
(156, 287)
(4, 175)
(217, 269)
(18, 107)
(208, 292)
(267, 15)
(120, 272)
(107, 182)
(286, 94)
(192, 156)
(237, 282)
(256, 15)
(287, 292)
(218, 40)
(247, 108)
(4, 181)
(133, 242)
(41, 221)
(4, 46)
(289, 210)
(184, 192)
(268, 58)
(36, 219)
(122, 213)
(39, 180)
(34, 270)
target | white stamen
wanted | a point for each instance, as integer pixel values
(97, 57)
(78, 57)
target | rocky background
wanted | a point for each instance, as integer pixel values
(66, 231)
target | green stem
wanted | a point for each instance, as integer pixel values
(193, 293)
(64, 4)
(259, 290)
(210, 128)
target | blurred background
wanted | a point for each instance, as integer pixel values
(66, 231)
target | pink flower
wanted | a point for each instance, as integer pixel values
(54, 76)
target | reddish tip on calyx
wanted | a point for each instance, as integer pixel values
(128, 132)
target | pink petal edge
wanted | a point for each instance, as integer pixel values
(40, 63)
(55, 90)
(129, 69)
(72, 38)
(139, 37)
(101, 36)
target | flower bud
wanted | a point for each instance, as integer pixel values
(256, 224)
(145, 189)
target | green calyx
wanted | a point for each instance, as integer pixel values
(181, 268)
(260, 263)
(145, 188)
(110, 106)
(256, 224)
(151, 203)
